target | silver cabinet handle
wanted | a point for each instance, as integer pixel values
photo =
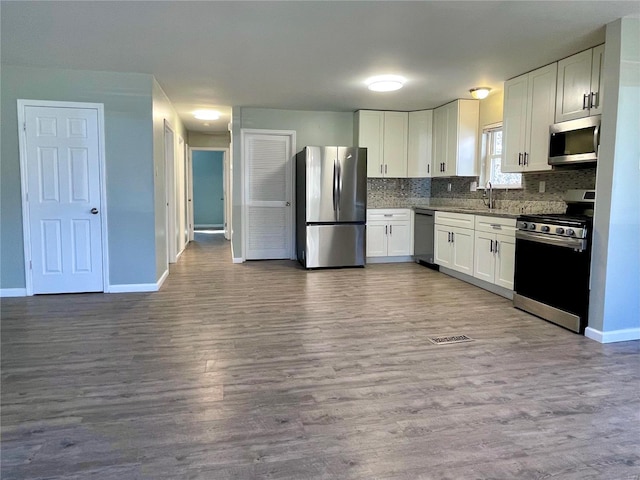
(496, 249)
(428, 167)
(585, 101)
(386, 229)
(520, 158)
(380, 169)
(453, 239)
(390, 229)
(385, 168)
(449, 237)
(526, 158)
(491, 246)
(595, 99)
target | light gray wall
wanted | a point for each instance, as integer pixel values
(208, 140)
(312, 128)
(162, 110)
(129, 165)
(615, 294)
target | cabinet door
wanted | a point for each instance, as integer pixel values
(394, 144)
(542, 103)
(574, 82)
(452, 139)
(399, 239)
(377, 239)
(462, 250)
(597, 67)
(514, 123)
(443, 251)
(439, 141)
(419, 144)
(505, 261)
(483, 258)
(370, 132)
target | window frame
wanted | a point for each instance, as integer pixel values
(485, 164)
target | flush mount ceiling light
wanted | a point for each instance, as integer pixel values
(385, 83)
(206, 115)
(480, 92)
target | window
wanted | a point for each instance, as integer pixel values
(492, 161)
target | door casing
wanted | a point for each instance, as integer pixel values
(26, 226)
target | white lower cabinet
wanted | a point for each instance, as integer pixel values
(389, 232)
(454, 242)
(494, 251)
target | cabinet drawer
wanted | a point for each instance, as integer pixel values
(501, 225)
(453, 219)
(386, 214)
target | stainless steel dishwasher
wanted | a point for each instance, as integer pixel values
(423, 241)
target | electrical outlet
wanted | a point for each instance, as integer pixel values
(474, 186)
(542, 186)
(448, 187)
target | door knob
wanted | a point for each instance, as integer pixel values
(94, 211)
(288, 204)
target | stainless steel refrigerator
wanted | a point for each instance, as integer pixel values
(331, 206)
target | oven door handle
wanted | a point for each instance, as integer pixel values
(578, 244)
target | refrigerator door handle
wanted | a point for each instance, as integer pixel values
(339, 186)
(335, 192)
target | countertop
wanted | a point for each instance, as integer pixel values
(495, 212)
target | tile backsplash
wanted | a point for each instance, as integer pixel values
(404, 192)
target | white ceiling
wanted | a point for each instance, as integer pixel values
(305, 55)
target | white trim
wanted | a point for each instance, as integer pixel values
(623, 335)
(210, 225)
(291, 173)
(238, 260)
(162, 278)
(13, 292)
(22, 144)
(134, 288)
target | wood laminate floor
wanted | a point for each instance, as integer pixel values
(266, 371)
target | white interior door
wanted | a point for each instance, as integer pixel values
(170, 192)
(268, 187)
(190, 194)
(63, 198)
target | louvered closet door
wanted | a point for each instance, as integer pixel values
(268, 194)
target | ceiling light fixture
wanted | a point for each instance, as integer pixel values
(480, 92)
(385, 83)
(206, 115)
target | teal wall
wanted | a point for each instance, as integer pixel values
(208, 203)
(127, 100)
(312, 128)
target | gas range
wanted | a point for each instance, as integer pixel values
(558, 243)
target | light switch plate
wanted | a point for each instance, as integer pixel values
(474, 186)
(542, 186)
(448, 187)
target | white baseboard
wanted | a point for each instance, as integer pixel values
(162, 278)
(13, 292)
(139, 287)
(623, 335)
(238, 260)
(209, 225)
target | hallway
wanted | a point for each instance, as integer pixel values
(266, 371)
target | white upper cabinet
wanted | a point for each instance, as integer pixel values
(420, 144)
(455, 139)
(529, 106)
(384, 135)
(579, 85)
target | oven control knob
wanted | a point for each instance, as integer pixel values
(532, 226)
(570, 232)
(559, 230)
(544, 228)
(524, 225)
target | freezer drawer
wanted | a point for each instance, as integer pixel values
(334, 246)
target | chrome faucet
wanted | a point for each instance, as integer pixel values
(491, 200)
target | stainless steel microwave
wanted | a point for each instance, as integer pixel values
(575, 141)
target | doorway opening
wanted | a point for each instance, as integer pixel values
(208, 191)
